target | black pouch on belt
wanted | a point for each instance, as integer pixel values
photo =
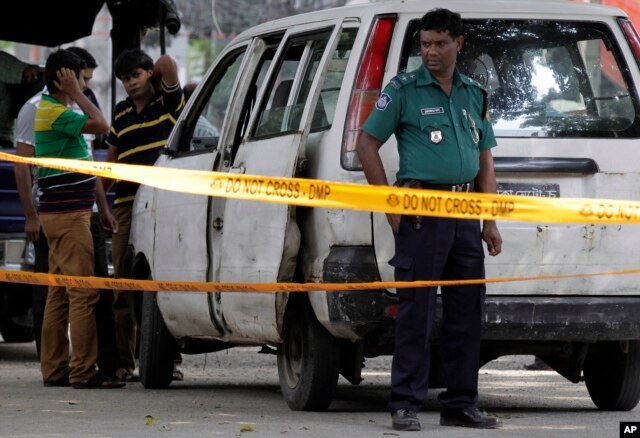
(416, 221)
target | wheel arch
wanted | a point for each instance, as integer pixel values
(136, 267)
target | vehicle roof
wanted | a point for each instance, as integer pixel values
(557, 9)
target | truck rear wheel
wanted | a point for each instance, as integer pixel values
(308, 360)
(612, 375)
(157, 347)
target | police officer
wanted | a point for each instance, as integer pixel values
(444, 137)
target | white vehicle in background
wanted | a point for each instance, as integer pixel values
(288, 98)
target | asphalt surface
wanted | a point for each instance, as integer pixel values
(236, 393)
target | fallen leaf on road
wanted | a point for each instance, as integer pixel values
(150, 420)
(246, 428)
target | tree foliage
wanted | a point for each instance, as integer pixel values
(213, 23)
(205, 18)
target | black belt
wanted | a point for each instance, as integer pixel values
(418, 184)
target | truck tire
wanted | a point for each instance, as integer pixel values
(308, 360)
(14, 332)
(158, 348)
(612, 375)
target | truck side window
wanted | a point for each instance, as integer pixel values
(250, 101)
(281, 111)
(330, 89)
(206, 123)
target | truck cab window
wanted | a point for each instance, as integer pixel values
(205, 123)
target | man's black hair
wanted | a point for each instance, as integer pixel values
(442, 20)
(84, 54)
(131, 60)
(61, 59)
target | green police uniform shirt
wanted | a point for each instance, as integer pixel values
(439, 137)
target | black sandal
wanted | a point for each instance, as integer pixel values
(99, 381)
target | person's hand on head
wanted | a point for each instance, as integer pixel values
(68, 82)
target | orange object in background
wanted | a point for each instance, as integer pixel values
(631, 7)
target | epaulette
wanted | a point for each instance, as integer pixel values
(467, 80)
(402, 79)
(471, 81)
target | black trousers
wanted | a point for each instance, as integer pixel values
(108, 357)
(442, 249)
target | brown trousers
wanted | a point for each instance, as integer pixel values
(70, 253)
(125, 325)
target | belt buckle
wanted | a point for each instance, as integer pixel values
(460, 187)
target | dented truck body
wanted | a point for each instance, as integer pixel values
(288, 98)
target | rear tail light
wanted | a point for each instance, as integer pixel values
(367, 87)
(632, 37)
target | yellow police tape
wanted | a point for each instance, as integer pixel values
(196, 286)
(329, 194)
(316, 193)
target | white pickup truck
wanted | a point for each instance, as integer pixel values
(288, 98)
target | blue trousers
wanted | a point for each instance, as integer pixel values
(442, 249)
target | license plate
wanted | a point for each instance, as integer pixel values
(527, 189)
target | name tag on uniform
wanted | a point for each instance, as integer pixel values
(430, 111)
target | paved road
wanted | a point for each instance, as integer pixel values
(235, 393)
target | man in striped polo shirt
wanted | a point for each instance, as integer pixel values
(139, 130)
(66, 202)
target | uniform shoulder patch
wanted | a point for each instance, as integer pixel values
(471, 81)
(402, 79)
(395, 83)
(406, 78)
(383, 102)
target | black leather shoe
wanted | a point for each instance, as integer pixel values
(405, 419)
(468, 417)
(99, 381)
(61, 382)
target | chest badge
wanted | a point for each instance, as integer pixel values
(436, 136)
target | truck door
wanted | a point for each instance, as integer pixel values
(181, 250)
(258, 242)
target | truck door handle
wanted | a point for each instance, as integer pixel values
(237, 169)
